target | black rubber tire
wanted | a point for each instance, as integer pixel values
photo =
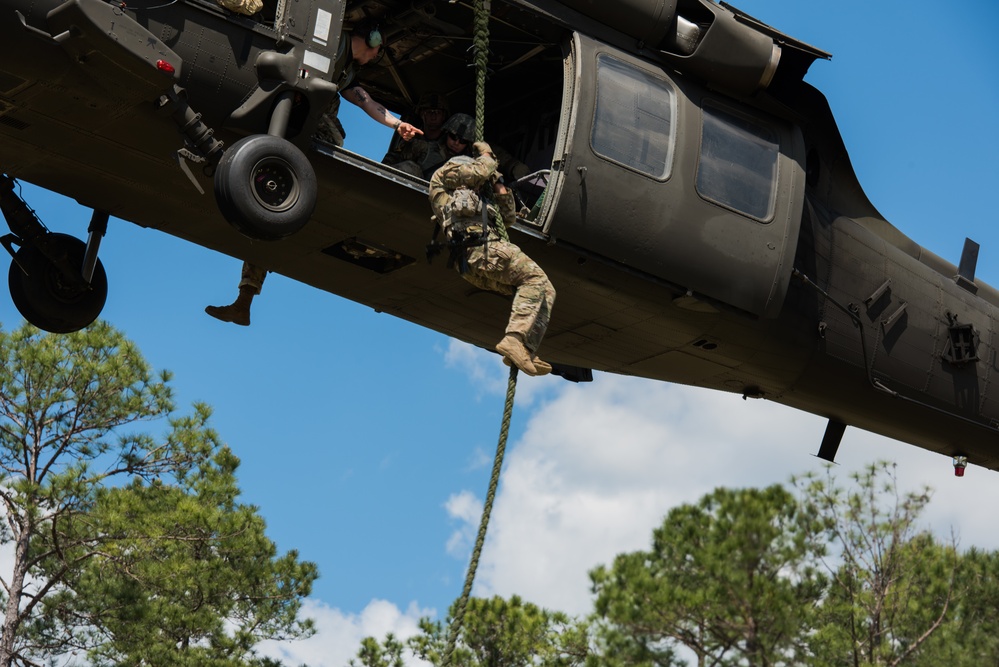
(265, 187)
(46, 299)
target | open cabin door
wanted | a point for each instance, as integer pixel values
(666, 178)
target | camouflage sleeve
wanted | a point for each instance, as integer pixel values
(482, 170)
(393, 156)
(513, 168)
(439, 196)
(454, 175)
(414, 149)
(507, 208)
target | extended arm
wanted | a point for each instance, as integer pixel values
(359, 97)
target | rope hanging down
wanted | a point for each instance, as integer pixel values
(481, 42)
(487, 508)
(480, 46)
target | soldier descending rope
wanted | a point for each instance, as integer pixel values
(460, 196)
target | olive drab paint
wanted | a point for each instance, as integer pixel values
(685, 191)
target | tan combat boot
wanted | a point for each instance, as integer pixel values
(237, 312)
(512, 348)
(543, 367)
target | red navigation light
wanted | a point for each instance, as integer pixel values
(164, 66)
(960, 463)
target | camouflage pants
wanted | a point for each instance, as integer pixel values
(508, 270)
(252, 276)
(329, 128)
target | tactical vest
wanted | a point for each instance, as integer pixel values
(465, 212)
(465, 217)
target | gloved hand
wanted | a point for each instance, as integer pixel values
(481, 148)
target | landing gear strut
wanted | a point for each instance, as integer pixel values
(56, 281)
(264, 185)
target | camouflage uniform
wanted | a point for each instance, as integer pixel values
(252, 277)
(509, 166)
(329, 128)
(245, 7)
(464, 125)
(418, 157)
(496, 265)
(421, 157)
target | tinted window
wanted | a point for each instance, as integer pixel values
(738, 165)
(633, 120)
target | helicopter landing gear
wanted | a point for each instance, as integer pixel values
(49, 298)
(265, 187)
(56, 281)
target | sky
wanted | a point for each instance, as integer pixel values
(367, 442)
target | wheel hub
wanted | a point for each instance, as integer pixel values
(275, 185)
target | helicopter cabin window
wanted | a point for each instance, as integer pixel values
(632, 123)
(738, 164)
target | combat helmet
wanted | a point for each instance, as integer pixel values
(433, 101)
(461, 124)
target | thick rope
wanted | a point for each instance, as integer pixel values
(487, 508)
(480, 44)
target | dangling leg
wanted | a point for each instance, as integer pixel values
(532, 305)
(238, 312)
(533, 300)
(513, 350)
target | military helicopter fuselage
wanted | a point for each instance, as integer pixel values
(688, 194)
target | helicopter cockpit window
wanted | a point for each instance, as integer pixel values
(738, 165)
(632, 123)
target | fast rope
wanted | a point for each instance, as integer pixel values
(487, 508)
(480, 41)
(480, 45)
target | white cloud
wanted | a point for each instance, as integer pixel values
(338, 634)
(467, 510)
(597, 468)
(479, 459)
(600, 464)
(480, 367)
(486, 372)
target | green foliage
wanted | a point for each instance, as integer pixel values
(495, 633)
(733, 579)
(387, 654)
(835, 577)
(192, 555)
(892, 585)
(131, 547)
(971, 636)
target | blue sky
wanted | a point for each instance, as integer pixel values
(367, 441)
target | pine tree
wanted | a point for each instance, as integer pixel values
(124, 541)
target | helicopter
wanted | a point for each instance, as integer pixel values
(689, 193)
